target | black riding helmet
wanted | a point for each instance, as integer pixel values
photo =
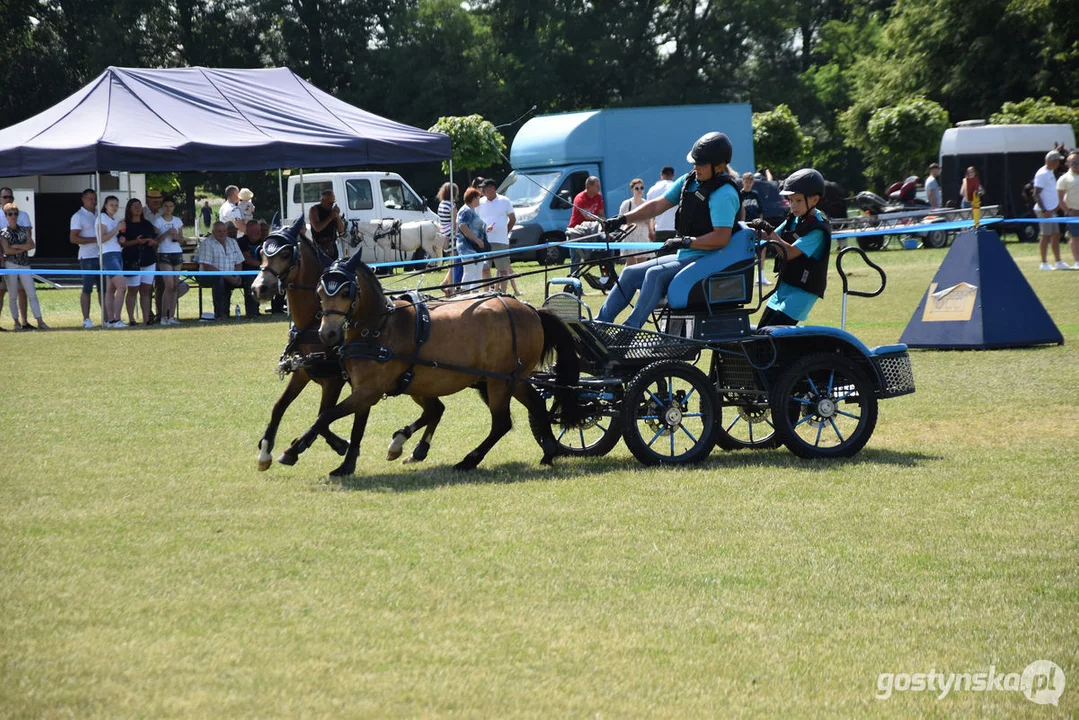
(806, 181)
(711, 149)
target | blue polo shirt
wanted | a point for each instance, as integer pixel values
(723, 207)
(794, 301)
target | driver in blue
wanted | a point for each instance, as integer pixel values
(806, 235)
(708, 202)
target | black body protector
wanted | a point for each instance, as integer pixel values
(692, 218)
(803, 271)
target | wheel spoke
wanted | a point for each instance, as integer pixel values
(856, 417)
(736, 419)
(692, 415)
(655, 437)
(648, 417)
(831, 381)
(803, 401)
(807, 418)
(655, 399)
(687, 432)
(685, 401)
(750, 431)
(562, 434)
(581, 431)
(812, 385)
(838, 434)
(672, 442)
(820, 428)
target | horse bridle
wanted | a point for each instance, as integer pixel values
(272, 249)
(337, 279)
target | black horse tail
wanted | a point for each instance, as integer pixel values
(558, 341)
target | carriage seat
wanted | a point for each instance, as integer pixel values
(720, 280)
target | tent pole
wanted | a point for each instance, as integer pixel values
(303, 196)
(101, 284)
(281, 192)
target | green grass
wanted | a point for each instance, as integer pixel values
(149, 570)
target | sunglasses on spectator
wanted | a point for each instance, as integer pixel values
(638, 187)
(9, 213)
(7, 197)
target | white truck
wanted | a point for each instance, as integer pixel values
(385, 219)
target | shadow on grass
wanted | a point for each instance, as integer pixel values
(396, 479)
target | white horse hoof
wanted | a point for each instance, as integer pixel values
(265, 458)
(409, 460)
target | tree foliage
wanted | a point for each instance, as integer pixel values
(905, 137)
(778, 141)
(1037, 111)
(476, 142)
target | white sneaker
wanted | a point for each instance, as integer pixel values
(119, 324)
(765, 281)
(87, 324)
(1045, 266)
(170, 321)
(1061, 265)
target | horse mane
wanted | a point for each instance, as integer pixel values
(356, 265)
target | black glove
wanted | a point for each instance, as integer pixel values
(614, 223)
(676, 243)
(762, 226)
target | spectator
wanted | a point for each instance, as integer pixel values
(221, 253)
(664, 223)
(170, 256)
(207, 214)
(644, 231)
(245, 206)
(15, 244)
(84, 234)
(1046, 202)
(971, 186)
(264, 229)
(112, 262)
(1068, 191)
(751, 199)
(933, 194)
(588, 205)
(497, 212)
(477, 182)
(249, 244)
(471, 238)
(447, 208)
(326, 223)
(229, 212)
(139, 242)
(8, 195)
(151, 211)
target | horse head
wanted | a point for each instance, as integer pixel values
(349, 293)
(280, 254)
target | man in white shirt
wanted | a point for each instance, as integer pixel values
(1068, 192)
(220, 252)
(84, 234)
(1046, 201)
(933, 194)
(229, 212)
(664, 223)
(497, 212)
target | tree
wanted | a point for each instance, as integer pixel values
(1036, 111)
(476, 142)
(905, 137)
(778, 141)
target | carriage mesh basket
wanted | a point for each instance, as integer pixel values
(631, 344)
(566, 306)
(896, 373)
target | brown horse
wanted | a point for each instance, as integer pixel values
(291, 263)
(403, 347)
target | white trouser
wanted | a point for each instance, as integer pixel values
(27, 282)
(471, 273)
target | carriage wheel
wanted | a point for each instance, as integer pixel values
(596, 436)
(747, 426)
(669, 414)
(935, 239)
(823, 406)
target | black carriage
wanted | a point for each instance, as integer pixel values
(705, 376)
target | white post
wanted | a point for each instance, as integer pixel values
(303, 205)
(281, 192)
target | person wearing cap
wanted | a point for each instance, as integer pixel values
(933, 194)
(1046, 202)
(708, 205)
(1068, 191)
(806, 235)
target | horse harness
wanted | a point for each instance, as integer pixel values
(367, 346)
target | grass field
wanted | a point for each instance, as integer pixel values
(148, 570)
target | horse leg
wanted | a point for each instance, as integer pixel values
(331, 392)
(397, 443)
(295, 386)
(433, 407)
(359, 424)
(348, 406)
(498, 401)
(538, 420)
